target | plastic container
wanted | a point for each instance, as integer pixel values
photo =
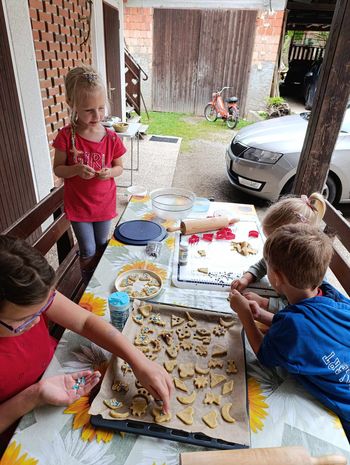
(172, 203)
(119, 307)
(183, 254)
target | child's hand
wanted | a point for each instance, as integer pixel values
(239, 303)
(263, 302)
(241, 283)
(156, 380)
(85, 171)
(64, 389)
(105, 173)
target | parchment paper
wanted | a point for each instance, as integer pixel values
(237, 432)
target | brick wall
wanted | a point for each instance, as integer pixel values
(267, 37)
(138, 34)
(58, 28)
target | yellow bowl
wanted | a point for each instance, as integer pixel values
(120, 127)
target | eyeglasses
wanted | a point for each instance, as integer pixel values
(30, 320)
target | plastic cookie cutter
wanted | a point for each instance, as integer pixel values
(208, 237)
(225, 233)
(79, 382)
(194, 239)
(253, 233)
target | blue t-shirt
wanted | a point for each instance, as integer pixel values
(311, 339)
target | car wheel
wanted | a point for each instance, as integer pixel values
(329, 192)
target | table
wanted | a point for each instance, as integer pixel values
(132, 133)
(281, 412)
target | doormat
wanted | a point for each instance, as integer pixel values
(172, 140)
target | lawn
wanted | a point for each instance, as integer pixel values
(186, 126)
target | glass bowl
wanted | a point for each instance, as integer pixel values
(172, 203)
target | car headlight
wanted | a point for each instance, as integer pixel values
(261, 156)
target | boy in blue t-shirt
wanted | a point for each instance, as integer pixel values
(310, 336)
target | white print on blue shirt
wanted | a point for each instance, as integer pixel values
(334, 364)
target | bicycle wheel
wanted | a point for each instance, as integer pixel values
(232, 120)
(210, 113)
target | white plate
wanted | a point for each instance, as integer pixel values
(135, 287)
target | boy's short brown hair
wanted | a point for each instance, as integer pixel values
(301, 252)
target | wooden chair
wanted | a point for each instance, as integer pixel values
(45, 226)
(335, 223)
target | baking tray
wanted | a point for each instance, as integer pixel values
(194, 434)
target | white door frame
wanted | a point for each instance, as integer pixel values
(20, 36)
(98, 44)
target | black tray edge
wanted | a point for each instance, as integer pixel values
(161, 432)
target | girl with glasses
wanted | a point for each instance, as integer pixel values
(27, 301)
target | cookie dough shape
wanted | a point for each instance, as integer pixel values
(225, 413)
(186, 345)
(120, 386)
(201, 350)
(186, 415)
(176, 320)
(203, 270)
(137, 318)
(201, 371)
(169, 365)
(183, 333)
(119, 415)
(219, 351)
(215, 363)
(179, 384)
(210, 419)
(159, 416)
(186, 400)
(172, 351)
(145, 310)
(216, 378)
(219, 331)
(231, 367)
(227, 387)
(138, 406)
(211, 398)
(157, 320)
(200, 382)
(191, 321)
(113, 404)
(186, 370)
(227, 324)
(167, 336)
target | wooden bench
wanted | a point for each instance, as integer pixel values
(335, 223)
(45, 226)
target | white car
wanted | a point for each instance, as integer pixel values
(262, 159)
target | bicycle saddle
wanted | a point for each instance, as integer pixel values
(232, 100)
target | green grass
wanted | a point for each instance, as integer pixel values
(186, 126)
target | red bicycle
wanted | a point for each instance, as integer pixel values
(216, 109)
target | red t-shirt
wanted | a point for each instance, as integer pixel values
(24, 358)
(94, 199)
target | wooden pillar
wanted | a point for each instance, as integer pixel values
(329, 106)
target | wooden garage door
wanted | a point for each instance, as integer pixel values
(17, 193)
(196, 52)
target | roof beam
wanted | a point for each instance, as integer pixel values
(329, 106)
(311, 6)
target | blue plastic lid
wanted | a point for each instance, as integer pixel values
(139, 232)
(119, 299)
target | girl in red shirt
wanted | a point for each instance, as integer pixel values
(88, 158)
(27, 300)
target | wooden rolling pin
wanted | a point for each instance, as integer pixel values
(203, 225)
(264, 456)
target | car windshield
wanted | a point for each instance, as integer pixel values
(345, 127)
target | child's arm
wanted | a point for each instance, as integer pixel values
(151, 375)
(62, 170)
(56, 390)
(115, 171)
(241, 306)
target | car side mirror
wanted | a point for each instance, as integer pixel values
(309, 74)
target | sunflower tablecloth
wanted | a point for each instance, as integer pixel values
(281, 412)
